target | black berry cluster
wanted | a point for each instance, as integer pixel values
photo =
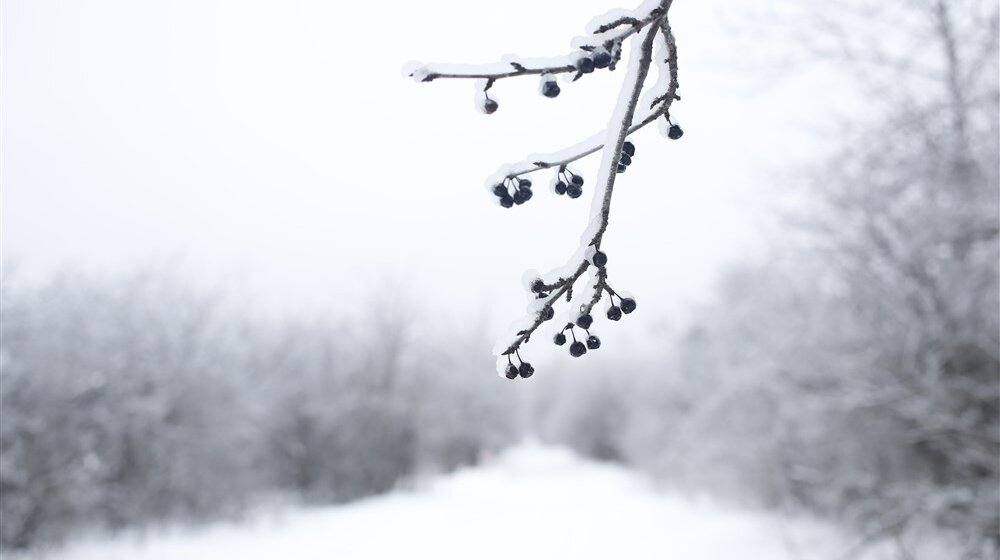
(597, 58)
(568, 183)
(625, 158)
(578, 348)
(513, 190)
(525, 370)
(625, 305)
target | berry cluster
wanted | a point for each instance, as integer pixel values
(625, 305)
(584, 321)
(513, 190)
(525, 370)
(602, 57)
(578, 348)
(568, 183)
(625, 159)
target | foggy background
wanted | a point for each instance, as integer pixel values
(246, 263)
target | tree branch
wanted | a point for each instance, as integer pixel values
(429, 72)
(600, 51)
(622, 129)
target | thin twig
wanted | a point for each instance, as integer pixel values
(519, 69)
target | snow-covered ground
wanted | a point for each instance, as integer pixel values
(530, 502)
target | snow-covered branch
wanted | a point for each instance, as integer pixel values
(650, 30)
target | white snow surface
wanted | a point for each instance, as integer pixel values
(529, 502)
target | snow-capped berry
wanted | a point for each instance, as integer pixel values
(675, 132)
(593, 342)
(600, 258)
(614, 313)
(628, 305)
(576, 180)
(547, 313)
(622, 167)
(499, 189)
(526, 370)
(560, 188)
(538, 286)
(524, 183)
(520, 197)
(585, 64)
(602, 59)
(577, 349)
(490, 106)
(559, 339)
(574, 191)
(506, 201)
(584, 321)
(511, 371)
(628, 148)
(625, 159)
(550, 89)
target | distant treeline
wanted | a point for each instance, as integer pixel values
(139, 401)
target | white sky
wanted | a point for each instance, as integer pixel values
(276, 146)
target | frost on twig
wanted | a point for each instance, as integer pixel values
(583, 281)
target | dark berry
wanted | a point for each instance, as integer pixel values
(526, 370)
(675, 132)
(628, 148)
(577, 349)
(499, 189)
(614, 313)
(525, 193)
(584, 321)
(511, 371)
(547, 313)
(628, 305)
(574, 191)
(585, 65)
(602, 59)
(559, 339)
(576, 180)
(506, 201)
(593, 342)
(625, 159)
(520, 197)
(490, 106)
(560, 188)
(524, 183)
(538, 286)
(600, 258)
(550, 89)
(622, 167)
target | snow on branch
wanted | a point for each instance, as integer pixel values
(648, 29)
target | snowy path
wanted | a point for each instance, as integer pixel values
(533, 502)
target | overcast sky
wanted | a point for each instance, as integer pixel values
(276, 147)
